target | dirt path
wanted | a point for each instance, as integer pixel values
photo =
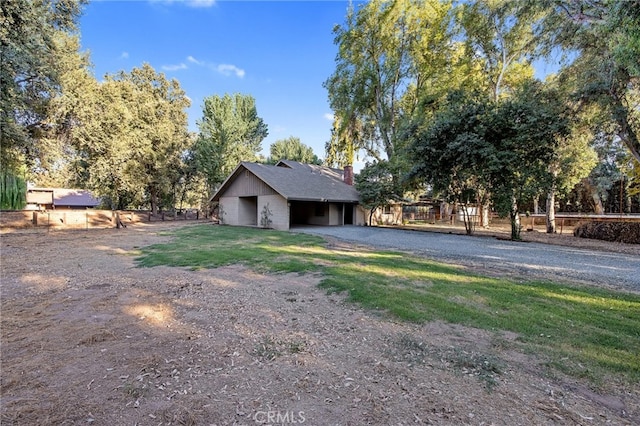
(89, 338)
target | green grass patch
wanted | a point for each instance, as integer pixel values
(582, 331)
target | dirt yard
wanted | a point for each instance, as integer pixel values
(89, 338)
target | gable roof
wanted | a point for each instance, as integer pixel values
(297, 182)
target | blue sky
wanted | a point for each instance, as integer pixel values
(279, 52)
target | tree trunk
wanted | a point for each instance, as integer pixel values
(154, 203)
(597, 201)
(485, 215)
(514, 217)
(626, 132)
(469, 224)
(593, 191)
(551, 211)
(536, 205)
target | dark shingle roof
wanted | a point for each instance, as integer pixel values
(298, 182)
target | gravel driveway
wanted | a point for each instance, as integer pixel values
(522, 258)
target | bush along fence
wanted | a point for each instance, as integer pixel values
(87, 219)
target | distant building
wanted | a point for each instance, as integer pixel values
(60, 198)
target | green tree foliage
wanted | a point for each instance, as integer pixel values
(292, 148)
(13, 192)
(525, 131)
(104, 140)
(230, 132)
(573, 159)
(500, 39)
(605, 35)
(504, 148)
(29, 71)
(341, 149)
(377, 186)
(389, 51)
(56, 154)
(132, 138)
(451, 153)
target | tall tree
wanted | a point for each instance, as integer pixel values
(57, 152)
(451, 151)
(604, 35)
(104, 140)
(292, 148)
(29, 71)
(388, 52)
(501, 39)
(230, 131)
(525, 131)
(132, 136)
(161, 122)
(503, 147)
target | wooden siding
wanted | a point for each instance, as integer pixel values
(246, 184)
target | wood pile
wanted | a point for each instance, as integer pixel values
(622, 232)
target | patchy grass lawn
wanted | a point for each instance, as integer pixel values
(583, 331)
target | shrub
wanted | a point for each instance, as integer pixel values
(622, 232)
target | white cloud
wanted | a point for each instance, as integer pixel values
(178, 67)
(228, 69)
(124, 55)
(224, 69)
(329, 116)
(194, 60)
